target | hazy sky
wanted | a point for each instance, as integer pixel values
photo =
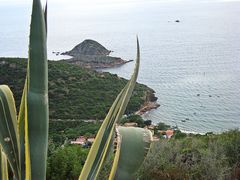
(76, 1)
(3, 2)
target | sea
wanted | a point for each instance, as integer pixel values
(193, 65)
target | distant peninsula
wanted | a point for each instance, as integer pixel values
(91, 54)
(76, 92)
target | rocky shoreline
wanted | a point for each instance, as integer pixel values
(149, 104)
(97, 62)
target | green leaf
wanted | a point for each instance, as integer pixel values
(8, 128)
(37, 116)
(30, 157)
(135, 143)
(21, 131)
(102, 143)
(117, 150)
(3, 165)
(45, 17)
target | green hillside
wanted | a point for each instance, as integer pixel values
(74, 92)
(197, 157)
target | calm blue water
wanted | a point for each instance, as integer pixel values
(199, 55)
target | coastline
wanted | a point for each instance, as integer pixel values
(72, 79)
(149, 104)
(97, 65)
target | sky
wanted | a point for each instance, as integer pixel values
(74, 3)
(16, 2)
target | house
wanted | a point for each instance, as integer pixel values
(131, 124)
(13, 65)
(169, 133)
(80, 140)
(91, 139)
(3, 62)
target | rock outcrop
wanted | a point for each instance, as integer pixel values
(91, 54)
(89, 48)
(149, 104)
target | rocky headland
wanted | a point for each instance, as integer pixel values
(75, 92)
(91, 54)
(149, 103)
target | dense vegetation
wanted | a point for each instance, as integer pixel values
(61, 132)
(194, 157)
(66, 163)
(133, 118)
(60, 150)
(74, 92)
(184, 156)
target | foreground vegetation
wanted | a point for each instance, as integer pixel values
(24, 135)
(185, 156)
(74, 92)
(66, 163)
(208, 157)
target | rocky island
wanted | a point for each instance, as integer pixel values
(91, 54)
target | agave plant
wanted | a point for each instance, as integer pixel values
(24, 138)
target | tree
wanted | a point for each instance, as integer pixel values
(148, 122)
(66, 163)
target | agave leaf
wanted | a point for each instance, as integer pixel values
(36, 107)
(8, 128)
(3, 166)
(118, 142)
(102, 142)
(45, 16)
(1, 163)
(135, 143)
(21, 131)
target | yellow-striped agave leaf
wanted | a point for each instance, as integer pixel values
(1, 162)
(8, 129)
(3, 165)
(45, 16)
(117, 150)
(21, 131)
(24, 142)
(135, 143)
(36, 107)
(102, 142)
